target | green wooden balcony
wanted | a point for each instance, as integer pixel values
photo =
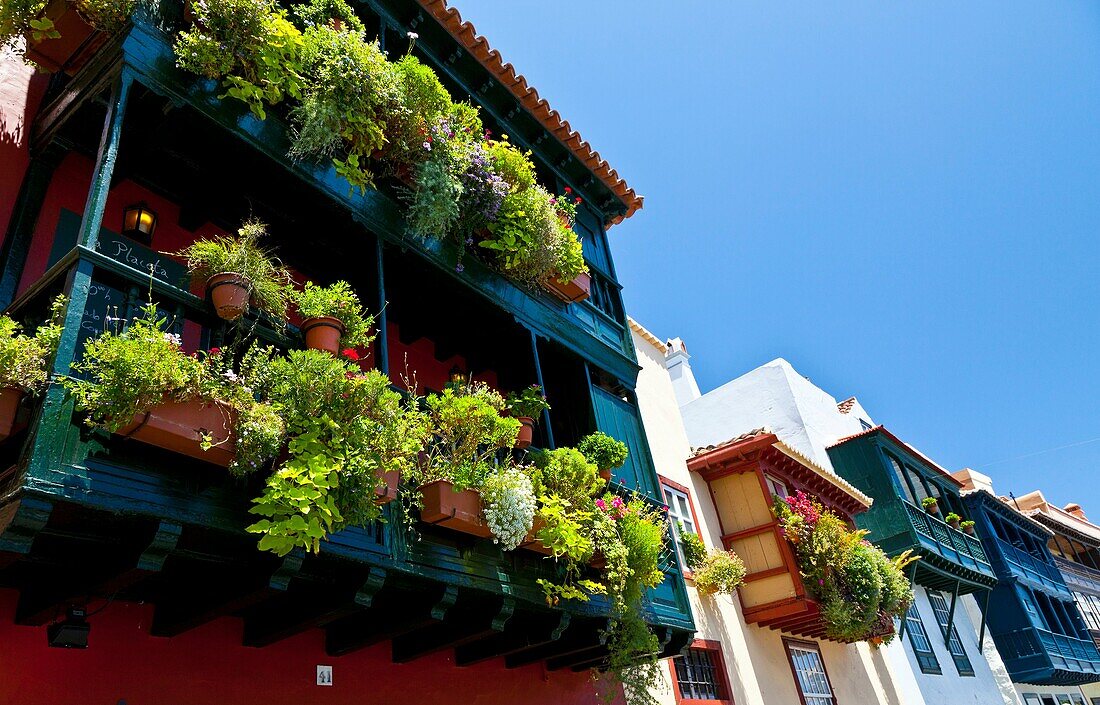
(1041, 656)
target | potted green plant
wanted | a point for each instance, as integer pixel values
(930, 505)
(967, 527)
(332, 317)
(24, 361)
(605, 452)
(469, 429)
(563, 479)
(238, 272)
(61, 35)
(569, 279)
(526, 407)
(953, 519)
(718, 572)
(352, 437)
(139, 384)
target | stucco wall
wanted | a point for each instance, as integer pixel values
(20, 93)
(756, 660)
(990, 684)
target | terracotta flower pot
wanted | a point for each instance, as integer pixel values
(953, 524)
(532, 543)
(461, 511)
(570, 292)
(76, 45)
(932, 508)
(323, 333)
(386, 492)
(526, 431)
(229, 292)
(968, 530)
(605, 474)
(9, 406)
(180, 426)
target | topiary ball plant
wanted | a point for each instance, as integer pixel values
(603, 451)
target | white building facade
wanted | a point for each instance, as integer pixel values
(757, 661)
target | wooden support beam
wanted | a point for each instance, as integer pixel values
(392, 613)
(310, 609)
(20, 522)
(581, 635)
(228, 595)
(467, 624)
(523, 633)
(95, 570)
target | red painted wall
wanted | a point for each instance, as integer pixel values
(20, 93)
(208, 665)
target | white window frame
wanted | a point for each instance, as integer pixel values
(672, 497)
(776, 487)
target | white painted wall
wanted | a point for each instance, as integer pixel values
(755, 657)
(776, 396)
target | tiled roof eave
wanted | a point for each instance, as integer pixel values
(465, 33)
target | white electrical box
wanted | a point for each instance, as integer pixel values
(324, 675)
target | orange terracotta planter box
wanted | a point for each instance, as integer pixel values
(460, 511)
(180, 426)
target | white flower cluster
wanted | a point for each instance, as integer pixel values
(172, 338)
(509, 507)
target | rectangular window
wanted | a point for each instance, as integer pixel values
(918, 639)
(1049, 700)
(777, 488)
(700, 675)
(1078, 700)
(680, 513)
(1032, 699)
(954, 644)
(809, 673)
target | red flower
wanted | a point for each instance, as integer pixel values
(350, 354)
(578, 200)
(568, 190)
(215, 351)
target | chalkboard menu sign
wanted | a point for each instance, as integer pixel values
(106, 302)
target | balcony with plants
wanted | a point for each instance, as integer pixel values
(1032, 614)
(322, 384)
(918, 508)
(806, 571)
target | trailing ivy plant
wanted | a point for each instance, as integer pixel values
(346, 428)
(249, 45)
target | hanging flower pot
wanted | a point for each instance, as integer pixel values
(570, 292)
(323, 333)
(229, 292)
(181, 427)
(9, 407)
(77, 42)
(526, 431)
(461, 511)
(386, 491)
(931, 505)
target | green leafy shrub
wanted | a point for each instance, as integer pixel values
(719, 572)
(339, 301)
(350, 89)
(25, 359)
(952, 517)
(433, 208)
(530, 403)
(243, 255)
(966, 525)
(859, 589)
(513, 165)
(321, 13)
(605, 452)
(423, 101)
(249, 45)
(929, 502)
(695, 551)
(567, 474)
(26, 18)
(469, 430)
(346, 427)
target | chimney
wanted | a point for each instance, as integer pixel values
(1075, 509)
(679, 370)
(973, 480)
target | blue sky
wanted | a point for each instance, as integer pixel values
(902, 199)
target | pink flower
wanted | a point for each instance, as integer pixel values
(617, 503)
(601, 504)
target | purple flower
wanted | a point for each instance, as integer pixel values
(459, 268)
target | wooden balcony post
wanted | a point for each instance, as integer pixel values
(951, 615)
(383, 335)
(538, 378)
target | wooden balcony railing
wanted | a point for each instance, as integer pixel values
(952, 544)
(1031, 568)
